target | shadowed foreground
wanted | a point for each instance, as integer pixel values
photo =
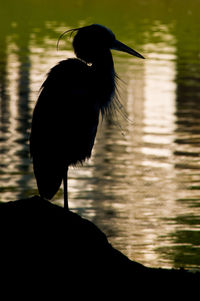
(45, 246)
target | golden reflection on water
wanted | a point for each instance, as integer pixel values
(9, 157)
(141, 184)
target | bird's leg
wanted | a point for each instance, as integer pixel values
(65, 189)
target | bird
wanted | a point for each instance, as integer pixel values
(74, 94)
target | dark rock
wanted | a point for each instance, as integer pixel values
(43, 245)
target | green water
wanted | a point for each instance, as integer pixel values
(142, 184)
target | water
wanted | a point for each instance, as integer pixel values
(142, 184)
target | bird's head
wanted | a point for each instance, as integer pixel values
(90, 42)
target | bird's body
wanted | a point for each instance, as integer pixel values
(65, 124)
(66, 115)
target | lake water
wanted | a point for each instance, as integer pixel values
(142, 184)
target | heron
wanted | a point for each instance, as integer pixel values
(74, 94)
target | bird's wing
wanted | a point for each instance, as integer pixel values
(64, 123)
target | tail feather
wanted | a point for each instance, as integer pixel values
(49, 178)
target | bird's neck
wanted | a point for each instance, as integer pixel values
(104, 63)
(104, 74)
(103, 69)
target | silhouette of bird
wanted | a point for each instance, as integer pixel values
(74, 94)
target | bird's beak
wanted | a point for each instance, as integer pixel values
(122, 47)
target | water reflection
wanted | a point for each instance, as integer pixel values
(9, 118)
(142, 184)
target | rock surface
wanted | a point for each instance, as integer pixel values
(43, 245)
